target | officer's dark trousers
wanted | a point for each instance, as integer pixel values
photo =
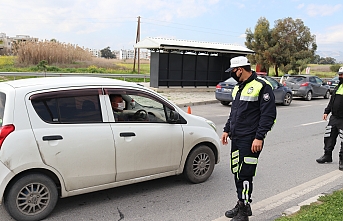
(332, 130)
(243, 166)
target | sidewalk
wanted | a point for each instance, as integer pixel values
(186, 96)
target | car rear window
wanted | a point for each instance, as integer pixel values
(295, 79)
(75, 109)
(2, 106)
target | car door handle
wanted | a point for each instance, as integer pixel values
(127, 134)
(52, 137)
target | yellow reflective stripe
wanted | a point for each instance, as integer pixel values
(234, 91)
(235, 169)
(250, 160)
(340, 90)
(252, 88)
(235, 154)
(235, 161)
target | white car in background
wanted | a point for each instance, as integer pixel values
(59, 138)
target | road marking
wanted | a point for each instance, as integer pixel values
(291, 194)
(317, 122)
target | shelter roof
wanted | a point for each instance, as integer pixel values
(190, 46)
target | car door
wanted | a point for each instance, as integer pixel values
(72, 137)
(321, 88)
(278, 92)
(145, 146)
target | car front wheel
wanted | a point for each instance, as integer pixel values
(287, 100)
(200, 164)
(31, 197)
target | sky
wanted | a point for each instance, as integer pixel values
(113, 23)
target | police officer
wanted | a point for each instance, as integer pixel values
(335, 125)
(253, 113)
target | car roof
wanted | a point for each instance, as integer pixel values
(301, 75)
(54, 82)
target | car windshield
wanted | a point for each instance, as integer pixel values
(295, 79)
(231, 81)
(335, 78)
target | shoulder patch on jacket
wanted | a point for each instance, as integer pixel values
(266, 97)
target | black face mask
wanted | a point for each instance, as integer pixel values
(340, 80)
(234, 76)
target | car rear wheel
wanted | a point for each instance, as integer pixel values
(225, 103)
(308, 96)
(287, 100)
(200, 164)
(327, 94)
(31, 197)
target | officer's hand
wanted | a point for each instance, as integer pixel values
(256, 146)
(224, 138)
(325, 117)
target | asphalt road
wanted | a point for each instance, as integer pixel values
(287, 174)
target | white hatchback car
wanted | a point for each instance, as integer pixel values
(59, 138)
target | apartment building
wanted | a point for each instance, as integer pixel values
(123, 54)
(6, 43)
(95, 52)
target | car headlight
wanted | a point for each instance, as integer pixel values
(212, 125)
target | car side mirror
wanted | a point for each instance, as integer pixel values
(174, 116)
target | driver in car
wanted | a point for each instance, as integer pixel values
(118, 106)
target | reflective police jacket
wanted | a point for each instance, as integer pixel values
(335, 105)
(253, 109)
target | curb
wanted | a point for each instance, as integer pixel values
(296, 208)
(307, 202)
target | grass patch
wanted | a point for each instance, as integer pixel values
(329, 207)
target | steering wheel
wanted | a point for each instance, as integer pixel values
(141, 115)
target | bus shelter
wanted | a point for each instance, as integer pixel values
(180, 63)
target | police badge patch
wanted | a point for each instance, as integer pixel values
(266, 97)
(250, 90)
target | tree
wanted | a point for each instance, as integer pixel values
(283, 46)
(107, 53)
(259, 41)
(293, 42)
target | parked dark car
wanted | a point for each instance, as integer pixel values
(283, 95)
(332, 83)
(307, 86)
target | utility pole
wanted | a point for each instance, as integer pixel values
(137, 49)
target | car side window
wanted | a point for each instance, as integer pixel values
(313, 80)
(139, 106)
(319, 81)
(273, 82)
(74, 109)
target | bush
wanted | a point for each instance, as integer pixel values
(335, 67)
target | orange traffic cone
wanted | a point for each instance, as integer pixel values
(189, 111)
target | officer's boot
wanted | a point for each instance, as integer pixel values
(242, 214)
(233, 212)
(326, 158)
(340, 162)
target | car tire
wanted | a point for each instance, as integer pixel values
(308, 96)
(327, 95)
(31, 197)
(226, 103)
(199, 165)
(287, 100)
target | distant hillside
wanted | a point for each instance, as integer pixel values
(338, 55)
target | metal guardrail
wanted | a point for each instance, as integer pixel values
(49, 74)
